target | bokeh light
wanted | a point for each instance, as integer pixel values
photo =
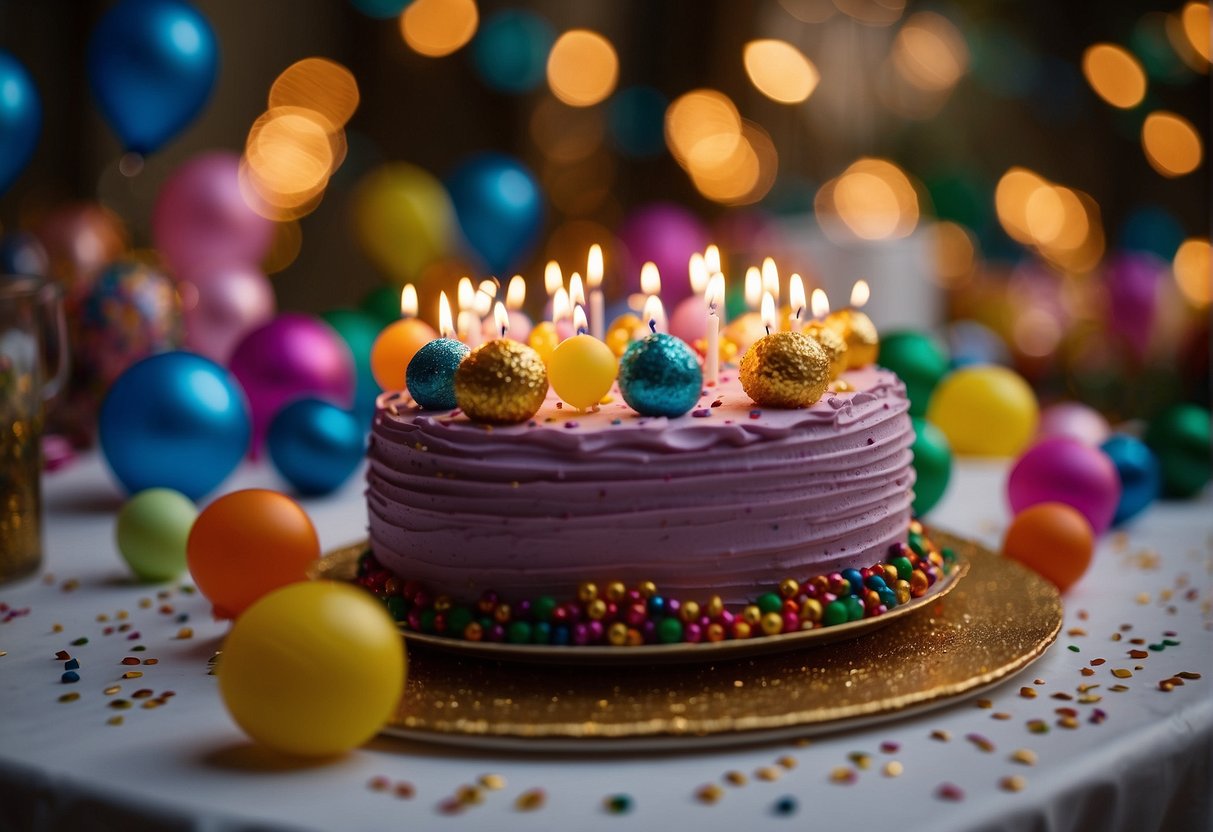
(780, 71)
(1195, 19)
(566, 134)
(872, 199)
(872, 12)
(318, 84)
(289, 156)
(1115, 75)
(743, 177)
(1063, 224)
(511, 49)
(439, 27)
(955, 254)
(930, 52)
(288, 241)
(1192, 266)
(702, 128)
(582, 68)
(1171, 143)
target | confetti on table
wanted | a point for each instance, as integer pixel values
(1027, 693)
(114, 720)
(1122, 673)
(941, 735)
(1024, 756)
(69, 697)
(843, 775)
(768, 773)
(787, 762)
(785, 805)
(469, 795)
(530, 800)
(892, 769)
(404, 790)
(735, 778)
(1014, 783)
(492, 782)
(890, 747)
(709, 793)
(949, 791)
(133, 674)
(980, 742)
(617, 804)
(1038, 726)
(378, 783)
(861, 760)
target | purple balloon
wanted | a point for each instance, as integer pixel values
(202, 219)
(1064, 470)
(222, 306)
(1074, 420)
(291, 357)
(1132, 281)
(668, 235)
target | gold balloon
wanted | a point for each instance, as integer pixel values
(502, 382)
(786, 370)
(830, 341)
(857, 329)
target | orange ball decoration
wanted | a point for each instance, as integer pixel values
(246, 544)
(1053, 540)
(395, 348)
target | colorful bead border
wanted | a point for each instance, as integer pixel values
(620, 616)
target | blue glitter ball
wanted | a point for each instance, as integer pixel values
(659, 376)
(430, 376)
(1139, 472)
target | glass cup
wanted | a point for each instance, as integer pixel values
(33, 367)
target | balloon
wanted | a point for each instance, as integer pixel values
(1139, 473)
(81, 238)
(1074, 420)
(918, 361)
(500, 209)
(313, 669)
(20, 118)
(290, 357)
(932, 465)
(1053, 540)
(984, 411)
(667, 234)
(1064, 470)
(358, 330)
(582, 370)
(21, 253)
(689, 321)
(316, 445)
(511, 49)
(228, 302)
(970, 342)
(151, 67)
(1132, 281)
(404, 220)
(151, 532)
(201, 219)
(1180, 438)
(395, 347)
(175, 420)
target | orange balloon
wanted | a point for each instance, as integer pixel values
(395, 348)
(1053, 540)
(246, 544)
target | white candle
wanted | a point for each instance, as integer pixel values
(593, 279)
(796, 301)
(715, 299)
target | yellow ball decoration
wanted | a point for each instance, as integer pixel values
(984, 411)
(582, 370)
(501, 383)
(857, 329)
(544, 339)
(395, 347)
(622, 333)
(835, 346)
(785, 369)
(313, 668)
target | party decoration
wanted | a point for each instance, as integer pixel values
(21, 253)
(659, 375)
(315, 445)
(290, 357)
(1064, 470)
(970, 342)
(918, 362)
(227, 302)
(984, 411)
(582, 370)
(832, 343)
(543, 339)
(1180, 438)
(1139, 473)
(1053, 540)
(510, 51)
(81, 238)
(359, 331)
(932, 465)
(151, 532)
(151, 67)
(395, 347)
(622, 332)
(175, 420)
(20, 118)
(1133, 281)
(857, 329)
(500, 208)
(501, 383)
(248, 543)
(786, 370)
(313, 669)
(431, 373)
(404, 219)
(1075, 420)
(667, 234)
(689, 321)
(744, 331)
(202, 220)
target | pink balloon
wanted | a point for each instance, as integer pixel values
(1074, 420)
(288, 358)
(222, 306)
(1064, 470)
(201, 218)
(689, 321)
(667, 234)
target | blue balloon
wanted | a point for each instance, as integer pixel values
(174, 420)
(315, 445)
(23, 253)
(511, 50)
(500, 209)
(20, 118)
(636, 118)
(151, 65)
(1139, 472)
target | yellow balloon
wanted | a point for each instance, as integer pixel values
(622, 333)
(313, 668)
(543, 339)
(985, 411)
(582, 370)
(404, 219)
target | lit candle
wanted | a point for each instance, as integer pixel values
(783, 369)
(501, 318)
(650, 279)
(576, 291)
(714, 296)
(654, 314)
(430, 375)
(753, 288)
(396, 345)
(711, 259)
(770, 321)
(562, 314)
(582, 368)
(830, 339)
(445, 324)
(552, 278)
(856, 328)
(515, 299)
(408, 301)
(467, 323)
(770, 279)
(593, 279)
(697, 268)
(796, 301)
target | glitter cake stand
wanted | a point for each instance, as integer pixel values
(994, 623)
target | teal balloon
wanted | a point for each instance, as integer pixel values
(20, 118)
(430, 375)
(359, 330)
(1139, 473)
(932, 465)
(918, 361)
(151, 66)
(315, 445)
(1180, 436)
(381, 9)
(500, 209)
(510, 51)
(659, 375)
(382, 304)
(636, 120)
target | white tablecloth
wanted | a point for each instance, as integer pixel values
(185, 765)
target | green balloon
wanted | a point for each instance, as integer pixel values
(918, 361)
(152, 529)
(1180, 438)
(932, 464)
(382, 304)
(359, 330)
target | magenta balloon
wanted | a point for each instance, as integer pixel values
(1064, 470)
(689, 320)
(225, 304)
(288, 358)
(1132, 281)
(201, 218)
(668, 235)
(1074, 420)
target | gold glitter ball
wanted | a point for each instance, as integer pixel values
(785, 370)
(857, 329)
(832, 343)
(501, 383)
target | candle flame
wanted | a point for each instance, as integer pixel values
(698, 270)
(753, 287)
(576, 292)
(654, 314)
(408, 301)
(501, 318)
(482, 303)
(552, 278)
(445, 324)
(489, 286)
(593, 267)
(650, 278)
(560, 305)
(860, 293)
(770, 278)
(711, 258)
(465, 296)
(820, 304)
(768, 313)
(515, 294)
(714, 296)
(796, 295)
(580, 324)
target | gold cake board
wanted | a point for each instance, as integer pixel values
(994, 623)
